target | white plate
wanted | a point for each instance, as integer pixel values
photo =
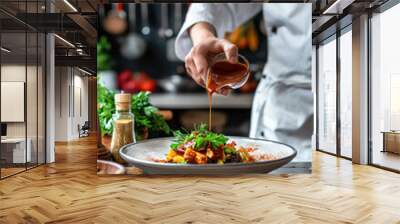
(140, 155)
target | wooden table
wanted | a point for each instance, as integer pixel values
(391, 141)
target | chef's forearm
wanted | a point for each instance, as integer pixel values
(201, 31)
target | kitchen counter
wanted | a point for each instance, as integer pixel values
(200, 101)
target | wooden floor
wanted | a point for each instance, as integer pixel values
(387, 159)
(70, 192)
(10, 171)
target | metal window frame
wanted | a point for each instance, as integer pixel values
(338, 97)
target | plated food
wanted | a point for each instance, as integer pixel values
(205, 147)
(147, 155)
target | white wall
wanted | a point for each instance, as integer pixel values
(82, 81)
(61, 103)
(71, 94)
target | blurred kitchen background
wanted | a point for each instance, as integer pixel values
(136, 52)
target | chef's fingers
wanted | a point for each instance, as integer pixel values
(201, 65)
(189, 64)
(231, 51)
(191, 69)
(188, 70)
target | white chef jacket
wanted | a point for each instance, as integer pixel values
(283, 103)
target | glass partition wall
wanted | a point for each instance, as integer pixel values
(22, 77)
(335, 90)
(345, 93)
(385, 89)
(334, 113)
(327, 95)
(13, 86)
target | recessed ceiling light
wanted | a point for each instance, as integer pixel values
(84, 71)
(70, 5)
(337, 7)
(64, 40)
(5, 49)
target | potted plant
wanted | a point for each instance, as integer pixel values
(148, 120)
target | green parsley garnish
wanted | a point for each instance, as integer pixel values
(201, 138)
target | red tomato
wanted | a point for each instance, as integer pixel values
(131, 86)
(124, 77)
(142, 76)
(148, 85)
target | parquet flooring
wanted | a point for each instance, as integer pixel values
(10, 171)
(70, 192)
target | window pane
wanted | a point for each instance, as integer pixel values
(385, 86)
(327, 97)
(15, 150)
(22, 88)
(345, 94)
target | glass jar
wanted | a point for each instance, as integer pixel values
(124, 125)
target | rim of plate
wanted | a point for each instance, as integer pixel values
(147, 163)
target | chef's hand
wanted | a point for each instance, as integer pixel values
(205, 47)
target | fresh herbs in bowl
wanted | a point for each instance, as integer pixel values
(146, 115)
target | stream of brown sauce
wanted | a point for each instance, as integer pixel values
(221, 74)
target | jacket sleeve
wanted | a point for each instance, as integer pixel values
(223, 16)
